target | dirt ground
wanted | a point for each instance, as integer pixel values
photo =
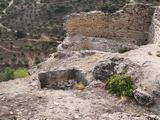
(23, 100)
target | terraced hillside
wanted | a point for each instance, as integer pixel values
(37, 17)
(33, 27)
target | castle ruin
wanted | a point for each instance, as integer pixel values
(131, 24)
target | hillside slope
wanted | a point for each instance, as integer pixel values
(33, 27)
(39, 24)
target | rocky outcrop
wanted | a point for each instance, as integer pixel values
(114, 65)
(143, 68)
(143, 97)
(102, 34)
(79, 42)
(128, 116)
(93, 102)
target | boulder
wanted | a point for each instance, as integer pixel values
(114, 65)
(143, 98)
(103, 69)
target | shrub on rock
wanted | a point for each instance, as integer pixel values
(120, 84)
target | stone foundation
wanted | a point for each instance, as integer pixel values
(79, 42)
(61, 79)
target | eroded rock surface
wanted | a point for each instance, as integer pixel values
(143, 97)
(114, 65)
(79, 42)
(127, 116)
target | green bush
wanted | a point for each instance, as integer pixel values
(113, 5)
(120, 84)
(10, 74)
(7, 74)
(20, 73)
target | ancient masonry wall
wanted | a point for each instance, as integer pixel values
(128, 25)
(154, 36)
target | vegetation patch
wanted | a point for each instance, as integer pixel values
(113, 5)
(120, 84)
(10, 74)
(7, 74)
(20, 73)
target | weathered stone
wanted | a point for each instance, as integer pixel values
(153, 117)
(143, 97)
(156, 93)
(103, 70)
(115, 65)
(128, 116)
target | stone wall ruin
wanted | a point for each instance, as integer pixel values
(128, 25)
(61, 79)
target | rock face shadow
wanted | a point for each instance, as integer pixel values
(62, 79)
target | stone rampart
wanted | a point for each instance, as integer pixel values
(128, 25)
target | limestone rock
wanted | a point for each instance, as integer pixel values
(153, 117)
(115, 65)
(79, 42)
(103, 70)
(128, 116)
(143, 97)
